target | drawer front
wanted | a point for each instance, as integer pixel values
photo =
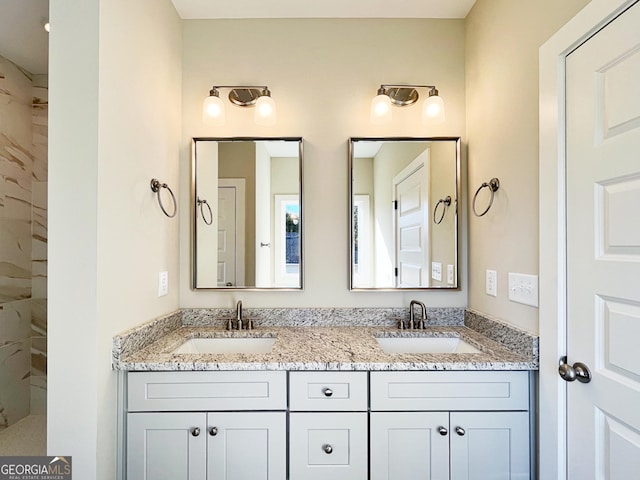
(190, 391)
(328, 445)
(414, 391)
(328, 391)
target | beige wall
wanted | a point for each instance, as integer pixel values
(115, 90)
(502, 41)
(322, 74)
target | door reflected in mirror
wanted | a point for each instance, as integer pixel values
(247, 213)
(404, 221)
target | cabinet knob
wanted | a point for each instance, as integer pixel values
(443, 431)
(327, 391)
(460, 431)
(214, 431)
(195, 432)
(327, 448)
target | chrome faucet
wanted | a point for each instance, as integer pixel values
(423, 315)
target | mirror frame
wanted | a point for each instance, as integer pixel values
(457, 204)
(194, 213)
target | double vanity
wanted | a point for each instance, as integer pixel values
(325, 393)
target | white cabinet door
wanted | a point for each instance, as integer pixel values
(409, 445)
(328, 446)
(491, 445)
(166, 445)
(246, 446)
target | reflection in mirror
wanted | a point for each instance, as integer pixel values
(404, 222)
(247, 213)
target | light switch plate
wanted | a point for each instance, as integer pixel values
(451, 275)
(492, 283)
(163, 284)
(523, 288)
(436, 271)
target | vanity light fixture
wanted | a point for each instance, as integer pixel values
(243, 96)
(402, 96)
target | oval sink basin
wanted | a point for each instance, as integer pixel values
(425, 345)
(226, 345)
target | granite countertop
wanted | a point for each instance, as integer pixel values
(321, 348)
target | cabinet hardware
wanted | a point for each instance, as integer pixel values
(195, 432)
(327, 448)
(460, 431)
(327, 391)
(443, 431)
(214, 431)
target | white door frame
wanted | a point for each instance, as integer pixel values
(552, 397)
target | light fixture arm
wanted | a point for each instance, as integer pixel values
(385, 86)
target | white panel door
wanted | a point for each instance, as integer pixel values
(411, 193)
(246, 446)
(231, 231)
(603, 251)
(166, 445)
(489, 445)
(409, 445)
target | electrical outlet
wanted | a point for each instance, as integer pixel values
(523, 288)
(163, 284)
(451, 275)
(492, 283)
(436, 271)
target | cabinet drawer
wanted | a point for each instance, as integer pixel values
(328, 391)
(396, 391)
(328, 445)
(188, 391)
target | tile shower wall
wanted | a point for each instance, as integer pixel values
(40, 110)
(23, 166)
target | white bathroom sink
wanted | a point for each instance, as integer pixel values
(227, 345)
(425, 345)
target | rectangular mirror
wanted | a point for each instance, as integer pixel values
(404, 221)
(247, 213)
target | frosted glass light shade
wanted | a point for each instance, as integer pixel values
(433, 111)
(265, 113)
(213, 111)
(380, 110)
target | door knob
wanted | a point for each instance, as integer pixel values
(195, 432)
(578, 371)
(443, 431)
(327, 448)
(460, 431)
(213, 431)
(327, 391)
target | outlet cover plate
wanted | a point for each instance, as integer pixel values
(163, 284)
(492, 283)
(451, 275)
(436, 271)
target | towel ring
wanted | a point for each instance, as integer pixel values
(494, 185)
(200, 204)
(155, 187)
(446, 202)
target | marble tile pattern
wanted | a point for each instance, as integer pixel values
(326, 317)
(16, 179)
(310, 347)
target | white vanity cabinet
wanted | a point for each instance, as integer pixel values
(449, 425)
(187, 425)
(328, 425)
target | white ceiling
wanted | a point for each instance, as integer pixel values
(24, 41)
(192, 9)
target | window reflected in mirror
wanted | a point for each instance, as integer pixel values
(252, 189)
(404, 222)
